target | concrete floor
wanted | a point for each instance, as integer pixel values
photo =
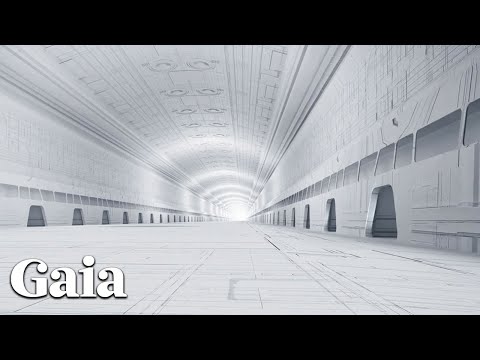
(241, 268)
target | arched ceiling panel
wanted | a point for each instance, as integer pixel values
(205, 116)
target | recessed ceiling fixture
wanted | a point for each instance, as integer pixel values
(198, 136)
(218, 124)
(176, 92)
(219, 135)
(200, 64)
(215, 110)
(192, 125)
(185, 111)
(208, 91)
(161, 65)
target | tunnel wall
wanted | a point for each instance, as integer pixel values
(379, 95)
(39, 151)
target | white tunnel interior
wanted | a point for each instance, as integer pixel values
(323, 151)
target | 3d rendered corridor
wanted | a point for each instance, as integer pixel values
(240, 179)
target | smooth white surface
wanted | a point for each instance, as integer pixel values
(241, 268)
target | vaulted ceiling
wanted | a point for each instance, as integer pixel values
(215, 119)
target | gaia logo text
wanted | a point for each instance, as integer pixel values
(68, 287)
